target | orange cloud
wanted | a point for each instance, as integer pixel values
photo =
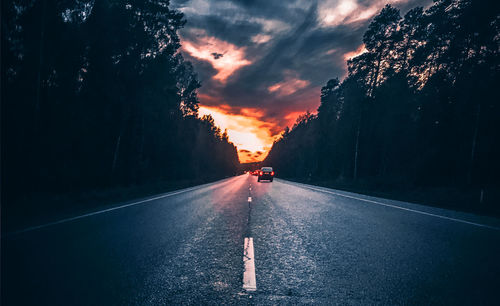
(251, 135)
(289, 86)
(224, 57)
(292, 117)
(360, 50)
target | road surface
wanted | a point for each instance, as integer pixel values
(309, 245)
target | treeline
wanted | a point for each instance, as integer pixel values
(95, 94)
(420, 108)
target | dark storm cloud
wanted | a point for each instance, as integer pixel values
(229, 29)
(291, 49)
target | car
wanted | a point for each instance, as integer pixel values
(266, 173)
(255, 172)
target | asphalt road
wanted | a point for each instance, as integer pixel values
(312, 245)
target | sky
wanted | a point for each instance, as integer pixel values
(262, 63)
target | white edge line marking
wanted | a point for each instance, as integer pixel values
(249, 281)
(403, 208)
(249, 199)
(172, 193)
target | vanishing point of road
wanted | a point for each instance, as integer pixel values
(237, 241)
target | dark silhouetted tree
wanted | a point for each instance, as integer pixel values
(419, 108)
(95, 94)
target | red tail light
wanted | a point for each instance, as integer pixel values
(260, 172)
(272, 173)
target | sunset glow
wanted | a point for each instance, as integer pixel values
(251, 135)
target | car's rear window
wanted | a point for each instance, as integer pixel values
(267, 169)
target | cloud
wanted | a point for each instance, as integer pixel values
(224, 57)
(288, 86)
(360, 50)
(333, 13)
(336, 13)
(263, 62)
(261, 38)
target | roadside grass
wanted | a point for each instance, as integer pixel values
(36, 209)
(466, 199)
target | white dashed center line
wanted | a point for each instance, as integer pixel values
(249, 281)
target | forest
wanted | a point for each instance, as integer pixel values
(419, 110)
(95, 94)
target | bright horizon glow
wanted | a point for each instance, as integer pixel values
(248, 134)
